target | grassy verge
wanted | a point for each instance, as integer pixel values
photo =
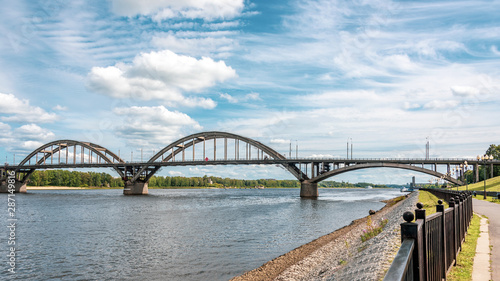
(488, 198)
(492, 184)
(430, 201)
(465, 260)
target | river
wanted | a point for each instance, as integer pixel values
(170, 234)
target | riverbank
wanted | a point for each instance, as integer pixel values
(341, 255)
(55, 188)
(175, 187)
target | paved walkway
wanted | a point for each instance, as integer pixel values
(481, 268)
(492, 211)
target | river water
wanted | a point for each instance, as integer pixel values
(170, 234)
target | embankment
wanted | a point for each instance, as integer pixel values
(341, 255)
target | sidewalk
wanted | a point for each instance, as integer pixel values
(492, 211)
(481, 268)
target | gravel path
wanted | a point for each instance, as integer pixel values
(348, 258)
(341, 255)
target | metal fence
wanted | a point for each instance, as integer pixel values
(430, 244)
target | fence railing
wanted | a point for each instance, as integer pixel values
(430, 244)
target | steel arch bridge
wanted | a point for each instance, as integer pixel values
(209, 148)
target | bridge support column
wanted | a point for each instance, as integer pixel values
(19, 187)
(135, 188)
(308, 189)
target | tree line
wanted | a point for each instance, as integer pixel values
(93, 179)
(493, 150)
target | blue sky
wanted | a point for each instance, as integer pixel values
(140, 74)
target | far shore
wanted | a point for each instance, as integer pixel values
(171, 187)
(54, 187)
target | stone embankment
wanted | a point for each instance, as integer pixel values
(341, 255)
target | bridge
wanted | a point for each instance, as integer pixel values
(211, 148)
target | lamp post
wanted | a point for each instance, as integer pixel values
(484, 159)
(465, 169)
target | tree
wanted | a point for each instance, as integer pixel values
(493, 150)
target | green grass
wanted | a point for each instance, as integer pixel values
(488, 198)
(430, 201)
(492, 184)
(465, 260)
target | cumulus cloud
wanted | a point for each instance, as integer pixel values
(33, 132)
(149, 126)
(20, 110)
(160, 75)
(171, 9)
(24, 139)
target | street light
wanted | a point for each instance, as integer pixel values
(465, 169)
(456, 170)
(484, 158)
(445, 176)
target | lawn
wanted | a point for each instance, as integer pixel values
(430, 201)
(465, 260)
(492, 184)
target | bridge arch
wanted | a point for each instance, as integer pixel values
(51, 149)
(382, 165)
(169, 152)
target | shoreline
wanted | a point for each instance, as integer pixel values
(329, 254)
(175, 187)
(56, 188)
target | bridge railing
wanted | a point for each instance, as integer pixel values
(430, 244)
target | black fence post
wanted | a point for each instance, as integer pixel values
(412, 230)
(422, 243)
(440, 209)
(455, 227)
(462, 220)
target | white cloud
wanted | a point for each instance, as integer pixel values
(150, 126)
(440, 104)
(247, 97)
(192, 9)
(280, 141)
(33, 132)
(228, 97)
(464, 91)
(203, 44)
(60, 108)
(18, 110)
(321, 156)
(160, 75)
(495, 51)
(175, 173)
(408, 105)
(24, 139)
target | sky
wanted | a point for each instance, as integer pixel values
(128, 75)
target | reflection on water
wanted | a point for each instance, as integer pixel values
(172, 234)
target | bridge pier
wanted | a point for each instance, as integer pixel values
(135, 188)
(19, 187)
(308, 189)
